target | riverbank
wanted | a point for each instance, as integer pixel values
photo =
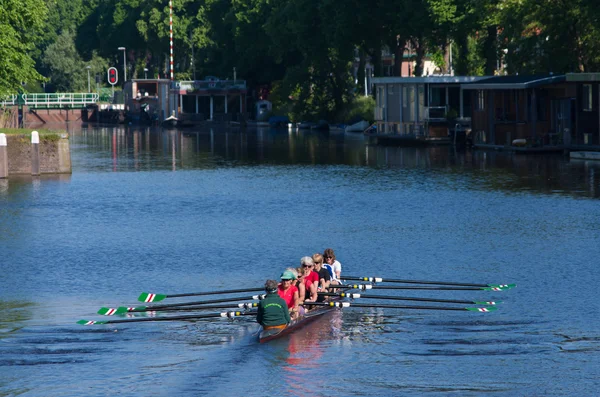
(25, 153)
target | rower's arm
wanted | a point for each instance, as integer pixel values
(313, 292)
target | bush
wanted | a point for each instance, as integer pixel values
(361, 108)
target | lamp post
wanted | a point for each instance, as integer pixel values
(146, 73)
(124, 65)
(88, 70)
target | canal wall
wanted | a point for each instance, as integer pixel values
(37, 117)
(52, 155)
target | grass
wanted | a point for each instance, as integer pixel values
(47, 135)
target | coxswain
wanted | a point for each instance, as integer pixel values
(272, 310)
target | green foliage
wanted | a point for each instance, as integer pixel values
(360, 108)
(21, 23)
(66, 69)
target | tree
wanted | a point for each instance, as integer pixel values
(21, 23)
(66, 69)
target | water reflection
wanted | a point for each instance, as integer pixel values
(134, 148)
(304, 351)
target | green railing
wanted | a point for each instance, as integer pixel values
(8, 100)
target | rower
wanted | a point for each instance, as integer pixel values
(272, 310)
(324, 276)
(334, 266)
(310, 279)
(289, 293)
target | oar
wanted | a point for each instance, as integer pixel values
(150, 297)
(404, 298)
(174, 318)
(390, 280)
(348, 304)
(239, 298)
(415, 287)
(109, 311)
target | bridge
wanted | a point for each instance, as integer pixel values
(51, 101)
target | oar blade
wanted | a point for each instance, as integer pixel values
(482, 309)
(149, 297)
(503, 286)
(489, 303)
(90, 322)
(110, 311)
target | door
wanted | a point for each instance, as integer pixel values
(561, 120)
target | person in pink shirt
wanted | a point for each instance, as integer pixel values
(310, 279)
(289, 292)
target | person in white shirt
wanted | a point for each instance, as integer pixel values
(334, 266)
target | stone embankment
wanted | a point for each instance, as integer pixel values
(34, 153)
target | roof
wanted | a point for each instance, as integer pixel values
(427, 80)
(583, 76)
(516, 82)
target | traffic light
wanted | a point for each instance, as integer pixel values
(113, 76)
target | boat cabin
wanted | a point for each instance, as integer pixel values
(425, 109)
(550, 111)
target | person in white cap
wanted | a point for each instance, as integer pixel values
(289, 293)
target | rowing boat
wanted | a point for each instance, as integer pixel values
(274, 333)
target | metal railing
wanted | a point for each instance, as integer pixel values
(57, 100)
(212, 85)
(8, 100)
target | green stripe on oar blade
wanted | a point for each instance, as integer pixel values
(148, 297)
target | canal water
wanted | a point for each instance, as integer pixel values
(202, 210)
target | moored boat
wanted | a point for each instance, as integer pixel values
(361, 126)
(170, 122)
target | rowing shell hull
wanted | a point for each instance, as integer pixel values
(270, 334)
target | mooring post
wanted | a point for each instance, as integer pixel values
(3, 157)
(35, 153)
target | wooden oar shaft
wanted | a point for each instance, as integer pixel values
(239, 298)
(391, 280)
(399, 298)
(231, 291)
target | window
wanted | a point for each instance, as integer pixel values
(480, 100)
(587, 98)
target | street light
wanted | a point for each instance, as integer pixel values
(88, 69)
(146, 73)
(124, 64)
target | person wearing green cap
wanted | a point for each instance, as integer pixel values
(289, 292)
(272, 310)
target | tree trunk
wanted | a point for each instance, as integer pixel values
(490, 50)
(399, 57)
(420, 52)
(461, 62)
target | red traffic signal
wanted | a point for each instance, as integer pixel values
(113, 76)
